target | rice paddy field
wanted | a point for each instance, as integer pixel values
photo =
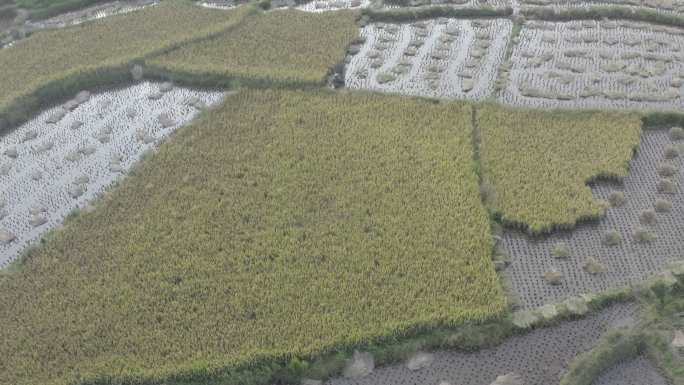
(290, 47)
(242, 262)
(341, 192)
(46, 63)
(538, 164)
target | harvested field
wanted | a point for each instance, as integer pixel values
(639, 371)
(539, 357)
(281, 224)
(283, 47)
(536, 164)
(94, 12)
(619, 262)
(448, 58)
(55, 168)
(590, 64)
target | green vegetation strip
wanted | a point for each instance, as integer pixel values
(282, 224)
(283, 47)
(536, 164)
(599, 12)
(51, 65)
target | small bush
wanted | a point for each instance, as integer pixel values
(560, 250)
(677, 133)
(667, 170)
(616, 198)
(671, 152)
(643, 235)
(663, 206)
(667, 186)
(648, 217)
(612, 238)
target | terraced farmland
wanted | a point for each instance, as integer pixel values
(444, 58)
(290, 48)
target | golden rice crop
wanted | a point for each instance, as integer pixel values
(50, 57)
(283, 223)
(539, 162)
(282, 47)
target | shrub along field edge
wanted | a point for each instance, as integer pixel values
(601, 12)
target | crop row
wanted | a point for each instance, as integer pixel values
(283, 47)
(589, 63)
(445, 58)
(281, 224)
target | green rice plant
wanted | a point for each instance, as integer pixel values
(52, 64)
(560, 250)
(280, 226)
(539, 163)
(285, 47)
(643, 235)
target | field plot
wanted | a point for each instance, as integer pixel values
(638, 237)
(284, 47)
(638, 371)
(49, 169)
(590, 64)
(539, 357)
(448, 58)
(38, 69)
(537, 163)
(281, 224)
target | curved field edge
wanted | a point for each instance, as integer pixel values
(56, 64)
(158, 325)
(661, 302)
(536, 164)
(305, 47)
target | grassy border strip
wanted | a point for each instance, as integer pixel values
(598, 12)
